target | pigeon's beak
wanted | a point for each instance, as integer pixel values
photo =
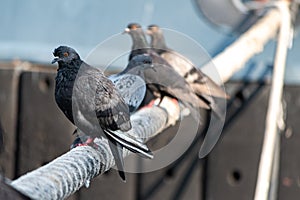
(55, 60)
(126, 30)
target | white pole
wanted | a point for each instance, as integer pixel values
(252, 42)
(271, 130)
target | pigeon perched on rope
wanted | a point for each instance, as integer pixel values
(162, 80)
(92, 103)
(207, 91)
(160, 72)
(201, 83)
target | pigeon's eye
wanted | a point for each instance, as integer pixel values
(66, 54)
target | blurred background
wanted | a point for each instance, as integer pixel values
(36, 132)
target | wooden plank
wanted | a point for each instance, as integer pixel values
(44, 131)
(8, 117)
(289, 176)
(232, 165)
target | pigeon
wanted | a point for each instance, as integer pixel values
(163, 81)
(203, 86)
(92, 103)
(201, 83)
(139, 44)
(164, 72)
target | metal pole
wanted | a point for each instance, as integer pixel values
(270, 135)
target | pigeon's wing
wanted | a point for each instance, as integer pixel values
(171, 82)
(200, 82)
(181, 65)
(111, 112)
(164, 74)
(130, 143)
(111, 109)
(131, 87)
(83, 103)
(96, 102)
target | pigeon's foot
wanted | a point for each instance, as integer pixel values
(151, 103)
(171, 106)
(84, 141)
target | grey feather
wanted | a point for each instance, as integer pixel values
(131, 87)
(117, 151)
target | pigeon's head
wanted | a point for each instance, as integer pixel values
(153, 29)
(157, 37)
(132, 27)
(64, 54)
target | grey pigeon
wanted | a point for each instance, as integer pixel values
(201, 83)
(139, 44)
(163, 81)
(203, 86)
(92, 103)
(164, 73)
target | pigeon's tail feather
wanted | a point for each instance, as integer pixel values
(192, 99)
(217, 105)
(207, 86)
(117, 151)
(130, 143)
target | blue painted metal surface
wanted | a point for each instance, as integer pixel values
(31, 29)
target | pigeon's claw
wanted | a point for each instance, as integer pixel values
(83, 141)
